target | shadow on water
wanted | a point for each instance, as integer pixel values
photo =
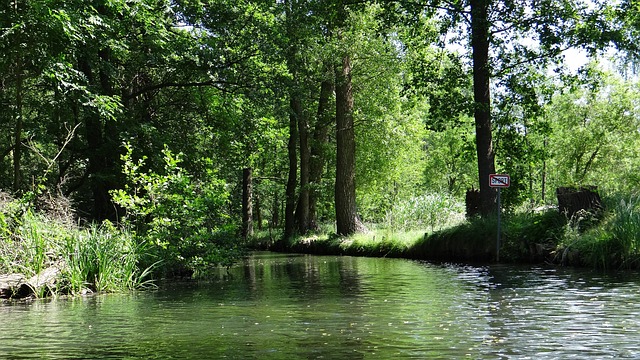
(279, 306)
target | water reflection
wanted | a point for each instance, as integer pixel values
(565, 313)
(276, 306)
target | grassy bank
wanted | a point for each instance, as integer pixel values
(609, 240)
(91, 259)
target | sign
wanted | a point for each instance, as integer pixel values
(499, 180)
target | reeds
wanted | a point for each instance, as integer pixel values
(103, 259)
(615, 241)
(98, 258)
(431, 212)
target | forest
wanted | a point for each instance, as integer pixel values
(164, 135)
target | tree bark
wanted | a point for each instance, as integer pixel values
(17, 148)
(347, 221)
(302, 209)
(482, 98)
(292, 180)
(247, 201)
(318, 158)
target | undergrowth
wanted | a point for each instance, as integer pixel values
(98, 258)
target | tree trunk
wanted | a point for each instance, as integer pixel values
(318, 159)
(347, 221)
(102, 145)
(572, 200)
(302, 209)
(482, 98)
(258, 211)
(275, 213)
(247, 201)
(17, 147)
(289, 219)
(295, 112)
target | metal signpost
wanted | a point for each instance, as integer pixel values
(499, 181)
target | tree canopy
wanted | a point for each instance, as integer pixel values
(340, 109)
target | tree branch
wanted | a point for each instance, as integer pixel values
(215, 83)
(528, 60)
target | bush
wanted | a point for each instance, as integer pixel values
(181, 220)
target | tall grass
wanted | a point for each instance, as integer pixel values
(615, 241)
(103, 259)
(625, 229)
(28, 242)
(98, 258)
(381, 242)
(426, 212)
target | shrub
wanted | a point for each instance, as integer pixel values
(181, 220)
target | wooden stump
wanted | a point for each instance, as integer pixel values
(17, 286)
(571, 200)
(12, 285)
(472, 203)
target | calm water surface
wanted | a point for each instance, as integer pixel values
(276, 306)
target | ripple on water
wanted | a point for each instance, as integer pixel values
(303, 307)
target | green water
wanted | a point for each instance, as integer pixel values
(277, 306)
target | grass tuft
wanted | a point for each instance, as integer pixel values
(99, 258)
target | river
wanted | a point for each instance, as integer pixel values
(279, 306)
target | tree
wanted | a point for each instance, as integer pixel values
(324, 118)
(34, 40)
(495, 31)
(595, 133)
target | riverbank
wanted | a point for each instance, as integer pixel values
(469, 242)
(608, 240)
(46, 253)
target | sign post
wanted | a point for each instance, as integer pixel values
(499, 181)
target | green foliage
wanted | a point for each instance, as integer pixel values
(100, 258)
(615, 241)
(451, 158)
(522, 134)
(428, 211)
(595, 137)
(182, 220)
(209, 79)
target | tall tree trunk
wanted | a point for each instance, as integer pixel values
(258, 211)
(102, 145)
(247, 201)
(275, 213)
(302, 209)
(347, 221)
(17, 147)
(318, 159)
(292, 180)
(482, 98)
(295, 112)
